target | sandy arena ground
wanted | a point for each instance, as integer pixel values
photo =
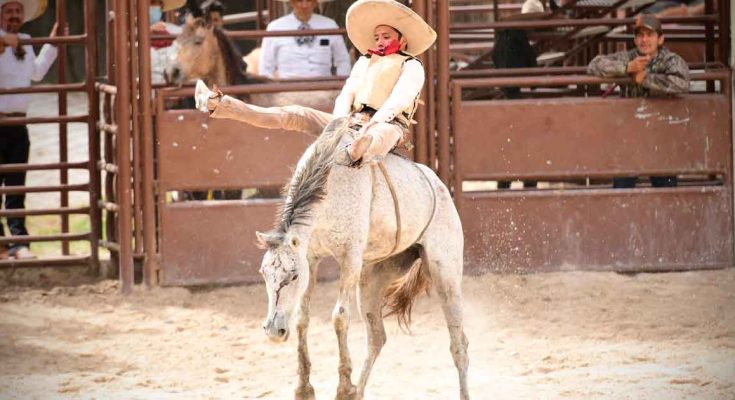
(572, 335)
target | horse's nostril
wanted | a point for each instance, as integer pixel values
(281, 332)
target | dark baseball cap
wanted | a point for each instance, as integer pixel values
(648, 21)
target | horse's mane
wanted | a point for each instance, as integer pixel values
(232, 58)
(308, 186)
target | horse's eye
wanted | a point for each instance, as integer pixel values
(294, 278)
(198, 40)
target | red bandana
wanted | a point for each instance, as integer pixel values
(392, 48)
(159, 43)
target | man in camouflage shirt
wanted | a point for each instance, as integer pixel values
(654, 71)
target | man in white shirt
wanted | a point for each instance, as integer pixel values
(285, 57)
(18, 67)
(380, 95)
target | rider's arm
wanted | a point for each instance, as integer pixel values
(343, 103)
(404, 93)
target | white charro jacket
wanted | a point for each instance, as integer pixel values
(389, 84)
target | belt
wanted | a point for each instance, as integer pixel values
(12, 115)
(364, 113)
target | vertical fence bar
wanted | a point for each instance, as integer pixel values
(709, 35)
(150, 266)
(431, 94)
(63, 127)
(122, 116)
(442, 88)
(420, 130)
(135, 133)
(93, 143)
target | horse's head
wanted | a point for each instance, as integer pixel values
(197, 54)
(285, 270)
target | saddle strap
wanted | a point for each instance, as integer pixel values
(396, 206)
(393, 194)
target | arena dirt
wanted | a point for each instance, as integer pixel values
(571, 335)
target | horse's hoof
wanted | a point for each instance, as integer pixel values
(348, 393)
(305, 393)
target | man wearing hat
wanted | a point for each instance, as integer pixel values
(19, 65)
(653, 70)
(303, 56)
(380, 94)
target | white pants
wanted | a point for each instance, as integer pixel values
(301, 119)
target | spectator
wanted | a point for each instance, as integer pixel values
(214, 11)
(653, 69)
(18, 67)
(303, 56)
(163, 51)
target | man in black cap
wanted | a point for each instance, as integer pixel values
(653, 70)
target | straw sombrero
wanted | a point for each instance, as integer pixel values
(364, 15)
(169, 5)
(31, 8)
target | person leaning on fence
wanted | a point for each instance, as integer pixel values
(18, 67)
(653, 70)
(380, 94)
(286, 57)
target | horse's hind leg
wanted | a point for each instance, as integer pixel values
(304, 390)
(444, 259)
(374, 280)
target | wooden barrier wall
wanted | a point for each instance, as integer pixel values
(645, 228)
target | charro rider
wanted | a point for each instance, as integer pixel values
(380, 95)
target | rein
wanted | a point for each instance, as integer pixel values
(397, 208)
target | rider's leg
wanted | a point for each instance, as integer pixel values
(295, 118)
(376, 142)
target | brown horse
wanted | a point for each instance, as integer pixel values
(205, 52)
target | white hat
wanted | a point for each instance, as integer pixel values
(31, 8)
(364, 16)
(169, 5)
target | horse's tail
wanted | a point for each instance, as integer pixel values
(400, 295)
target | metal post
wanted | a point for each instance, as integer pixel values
(431, 94)
(135, 133)
(149, 218)
(442, 88)
(421, 135)
(93, 101)
(63, 127)
(122, 114)
(709, 34)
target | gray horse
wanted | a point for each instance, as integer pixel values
(387, 257)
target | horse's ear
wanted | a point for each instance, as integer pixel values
(262, 239)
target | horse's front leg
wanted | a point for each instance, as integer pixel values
(349, 276)
(304, 390)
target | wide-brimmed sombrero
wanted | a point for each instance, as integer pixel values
(169, 5)
(364, 15)
(31, 8)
